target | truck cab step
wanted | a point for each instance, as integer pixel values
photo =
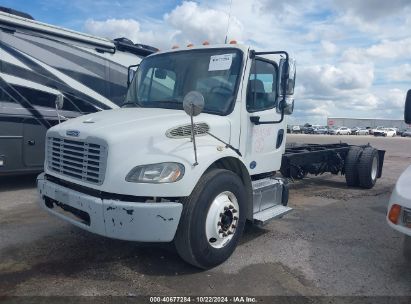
(264, 216)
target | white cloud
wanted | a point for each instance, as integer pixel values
(395, 98)
(372, 10)
(329, 47)
(129, 28)
(186, 23)
(400, 73)
(196, 23)
(325, 80)
(391, 49)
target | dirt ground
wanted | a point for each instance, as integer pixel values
(335, 242)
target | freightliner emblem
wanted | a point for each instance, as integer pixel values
(73, 133)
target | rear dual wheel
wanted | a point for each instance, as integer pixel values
(212, 220)
(361, 167)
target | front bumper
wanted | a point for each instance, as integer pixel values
(132, 221)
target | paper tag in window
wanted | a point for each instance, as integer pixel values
(220, 62)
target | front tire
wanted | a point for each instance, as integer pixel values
(212, 220)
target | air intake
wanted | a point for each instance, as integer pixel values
(185, 131)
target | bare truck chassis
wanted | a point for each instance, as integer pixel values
(349, 160)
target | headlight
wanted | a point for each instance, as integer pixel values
(156, 173)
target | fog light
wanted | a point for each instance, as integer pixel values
(394, 213)
(407, 218)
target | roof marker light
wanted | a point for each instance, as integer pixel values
(233, 42)
(206, 43)
(190, 45)
(175, 47)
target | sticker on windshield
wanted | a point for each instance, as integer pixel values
(220, 62)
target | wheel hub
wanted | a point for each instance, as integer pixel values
(374, 168)
(222, 219)
(226, 220)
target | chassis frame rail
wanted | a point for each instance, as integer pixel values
(301, 159)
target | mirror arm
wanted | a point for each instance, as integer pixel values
(227, 145)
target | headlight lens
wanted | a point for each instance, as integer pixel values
(156, 173)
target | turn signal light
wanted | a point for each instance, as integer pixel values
(394, 214)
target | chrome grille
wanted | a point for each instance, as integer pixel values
(185, 131)
(77, 159)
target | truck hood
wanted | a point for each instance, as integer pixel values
(137, 124)
(134, 137)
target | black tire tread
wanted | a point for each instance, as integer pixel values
(350, 166)
(182, 237)
(364, 167)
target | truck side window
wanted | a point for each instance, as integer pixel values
(262, 86)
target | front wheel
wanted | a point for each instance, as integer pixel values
(212, 220)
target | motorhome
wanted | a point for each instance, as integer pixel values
(39, 62)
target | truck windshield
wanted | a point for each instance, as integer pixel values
(163, 80)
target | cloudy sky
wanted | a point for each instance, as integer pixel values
(353, 56)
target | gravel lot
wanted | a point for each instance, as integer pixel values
(335, 242)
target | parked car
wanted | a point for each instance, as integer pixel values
(354, 131)
(376, 129)
(390, 132)
(308, 130)
(296, 129)
(341, 131)
(363, 131)
(321, 130)
(406, 133)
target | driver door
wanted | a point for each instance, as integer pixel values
(265, 142)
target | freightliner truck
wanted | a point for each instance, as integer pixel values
(192, 154)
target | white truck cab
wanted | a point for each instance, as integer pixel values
(150, 172)
(192, 154)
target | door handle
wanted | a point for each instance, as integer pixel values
(31, 142)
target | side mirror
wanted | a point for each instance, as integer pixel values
(287, 75)
(407, 108)
(193, 103)
(59, 101)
